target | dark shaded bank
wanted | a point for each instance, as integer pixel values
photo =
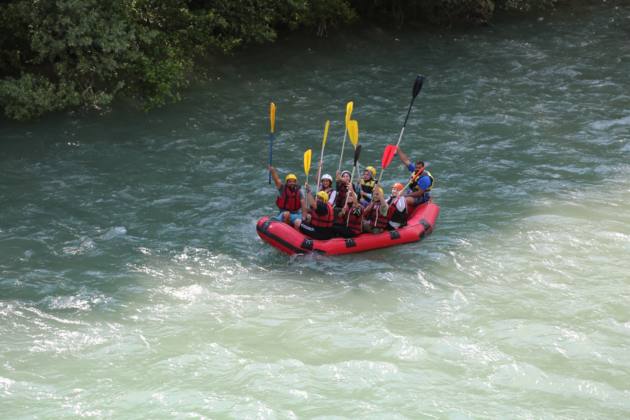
(83, 54)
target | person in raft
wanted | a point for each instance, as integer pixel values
(397, 207)
(289, 199)
(317, 216)
(376, 214)
(325, 184)
(421, 181)
(343, 186)
(366, 186)
(349, 222)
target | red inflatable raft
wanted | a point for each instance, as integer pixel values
(290, 241)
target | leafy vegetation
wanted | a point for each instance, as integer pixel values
(61, 54)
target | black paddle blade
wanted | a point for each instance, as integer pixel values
(357, 152)
(417, 85)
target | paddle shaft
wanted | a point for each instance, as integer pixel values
(411, 181)
(343, 145)
(378, 181)
(416, 90)
(271, 137)
(272, 129)
(351, 186)
(350, 189)
(402, 131)
(319, 169)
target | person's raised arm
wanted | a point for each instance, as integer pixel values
(312, 203)
(310, 200)
(368, 208)
(304, 201)
(274, 175)
(403, 157)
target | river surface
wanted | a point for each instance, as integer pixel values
(133, 284)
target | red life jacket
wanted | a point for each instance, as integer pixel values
(323, 221)
(379, 222)
(395, 215)
(354, 221)
(289, 199)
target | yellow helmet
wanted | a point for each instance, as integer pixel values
(372, 170)
(323, 195)
(290, 176)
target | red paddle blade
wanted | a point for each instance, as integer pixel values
(388, 155)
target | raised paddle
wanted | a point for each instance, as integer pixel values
(357, 153)
(321, 156)
(307, 163)
(388, 155)
(417, 85)
(349, 107)
(272, 121)
(353, 132)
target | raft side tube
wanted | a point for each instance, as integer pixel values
(290, 241)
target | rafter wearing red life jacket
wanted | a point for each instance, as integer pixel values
(342, 187)
(342, 193)
(322, 220)
(397, 211)
(376, 219)
(354, 220)
(321, 215)
(289, 199)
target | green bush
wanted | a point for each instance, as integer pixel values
(31, 96)
(60, 54)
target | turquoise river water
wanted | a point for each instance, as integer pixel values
(133, 284)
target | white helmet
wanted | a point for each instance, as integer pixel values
(328, 177)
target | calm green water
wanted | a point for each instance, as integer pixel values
(132, 283)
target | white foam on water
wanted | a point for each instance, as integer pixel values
(188, 293)
(114, 232)
(5, 385)
(85, 245)
(606, 124)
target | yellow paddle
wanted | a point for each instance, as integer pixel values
(353, 131)
(321, 156)
(307, 163)
(349, 108)
(272, 122)
(357, 153)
